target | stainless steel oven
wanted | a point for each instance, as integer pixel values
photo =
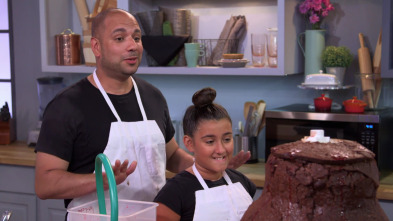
(372, 129)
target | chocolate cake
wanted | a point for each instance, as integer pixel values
(334, 180)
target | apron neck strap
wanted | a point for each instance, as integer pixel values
(202, 181)
(138, 98)
(109, 102)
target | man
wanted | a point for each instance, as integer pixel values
(113, 113)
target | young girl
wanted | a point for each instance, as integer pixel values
(207, 190)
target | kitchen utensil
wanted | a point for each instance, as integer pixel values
(98, 7)
(261, 106)
(83, 11)
(240, 126)
(181, 26)
(163, 48)
(322, 104)
(234, 28)
(120, 209)
(253, 123)
(354, 105)
(366, 68)
(167, 30)
(252, 146)
(247, 106)
(102, 160)
(248, 121)
(377, 69)
(102, 5)
(237, 140)
(68, 48)
(211, 57)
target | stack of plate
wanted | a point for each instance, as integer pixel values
(233, 61)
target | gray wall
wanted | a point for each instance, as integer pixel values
(343, 26)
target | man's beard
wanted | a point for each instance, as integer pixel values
(116, 67)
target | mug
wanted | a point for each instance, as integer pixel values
(192, 46)
(192, 57)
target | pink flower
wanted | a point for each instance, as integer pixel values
(315, 10)
(303, 8)
(314, 19)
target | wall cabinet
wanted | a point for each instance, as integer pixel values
(208, 19)
(387, 40)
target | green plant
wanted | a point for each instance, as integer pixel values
(333, 56)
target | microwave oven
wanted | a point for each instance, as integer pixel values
(372, 129)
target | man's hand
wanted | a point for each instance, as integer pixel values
(239, 159)
(120, 171)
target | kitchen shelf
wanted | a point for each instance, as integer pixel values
(210, 70)
(325, 87)
(205, 70)
(208, 19)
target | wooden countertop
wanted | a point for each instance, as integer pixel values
(20, 154)
(17, 153)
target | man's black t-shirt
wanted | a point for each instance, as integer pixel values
(77, 121)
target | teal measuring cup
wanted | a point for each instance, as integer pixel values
(102, 159)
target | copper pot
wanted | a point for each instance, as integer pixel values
(68, 48)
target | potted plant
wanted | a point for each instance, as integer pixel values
(336, 59)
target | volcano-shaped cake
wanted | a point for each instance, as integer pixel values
(319, 178)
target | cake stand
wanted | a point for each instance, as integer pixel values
(325, 90)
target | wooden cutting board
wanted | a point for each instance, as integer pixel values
(377, 69)
(83, 12)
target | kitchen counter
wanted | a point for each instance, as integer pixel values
(19, 154)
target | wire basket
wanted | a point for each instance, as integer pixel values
(214, 48)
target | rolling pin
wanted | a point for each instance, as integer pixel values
(377, 69)
(365, 67)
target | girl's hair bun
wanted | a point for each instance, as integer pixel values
(204, 97)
